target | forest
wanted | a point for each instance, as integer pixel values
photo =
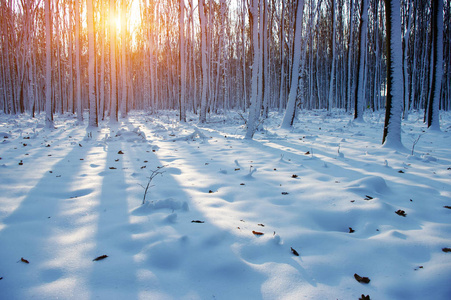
(111, 57)
(225, 149)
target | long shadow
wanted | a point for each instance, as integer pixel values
(115, 276)
(36, 231)
(332, 223)
(174, 256)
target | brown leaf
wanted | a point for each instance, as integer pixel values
(257, 232)
(24, 260)
(368, 197)
(351, 230)
(294, 176)
(100, 257)
(401, 213)
(197, 221)
(261, 225)
(361, 279)
(446, 249)
(120, 152)
(112, 168)
(307, 153)
(294, 251)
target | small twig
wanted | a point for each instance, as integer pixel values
(415, 142)
(151, 177)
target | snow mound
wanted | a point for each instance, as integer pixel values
(375, 184)
(131, 136)
(168, 203)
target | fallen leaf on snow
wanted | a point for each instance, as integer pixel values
(120, 152)
(100, 257)
(294, 251)
(401, 213)
(257, 232)
(446, 249)
(351, 230)
(197, 221)
(361, 279)
(24, 260)
(363, 297)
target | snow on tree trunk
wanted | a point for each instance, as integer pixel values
(393, 109)
(332, 71)
(124, 59)
(254, 109)
(406, 63)
(437, 40)
(288, 118)
(77, 63)
(360, 89)
(182, 61)
(91, 65)
(203, 104)
(113, 81)
(48, 72)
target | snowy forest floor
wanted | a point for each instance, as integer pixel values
(325, 190)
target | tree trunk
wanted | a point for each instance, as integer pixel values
(91, 65)
(182, 62)
(48, 72)
(203, 104)
(437, 61)
(393, 110)
(288, 118)
(361, 62)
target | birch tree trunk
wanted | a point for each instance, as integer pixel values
(437, 62)
(91, 65)
(48, 72)
(203, 104)
(77, 63)
(113, 78)
(253, 110)
(393, 110)
(124, 59)
(288, 118)
(332, 71)
(361, 60)
(182, 62)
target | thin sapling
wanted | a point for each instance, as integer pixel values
(151, 177)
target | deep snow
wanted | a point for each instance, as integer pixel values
(69, 195)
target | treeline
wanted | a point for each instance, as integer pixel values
(200, 56)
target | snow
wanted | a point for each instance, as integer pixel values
(77, 194)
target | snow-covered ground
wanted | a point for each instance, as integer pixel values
(325, 190)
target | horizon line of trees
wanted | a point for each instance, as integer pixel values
(203, 56)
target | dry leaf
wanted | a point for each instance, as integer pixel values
(100, 257)
(24, 260)
(197, 221)
(361, 279)
(257, 232)
(401, 213)
(294, 176)
(120, 152)
(261, 225)
(294, 252)
(351, 230)
(446, 249)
